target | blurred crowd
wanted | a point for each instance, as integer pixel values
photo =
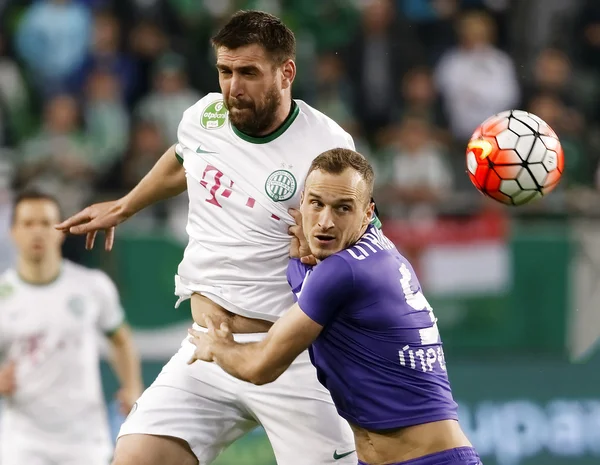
(91, 91)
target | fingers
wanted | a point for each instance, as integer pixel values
(295, 231)
(90, 226)
(192, 359)
(309, 260)
(125, 408)
(109, 239)
(209, 324)
(295, 248)
(296, 215)
(192, 332)
(89, 240)
(82, 217)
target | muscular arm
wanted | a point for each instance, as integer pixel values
(263, 362)
(166, 179)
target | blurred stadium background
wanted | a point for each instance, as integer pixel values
(91, 92)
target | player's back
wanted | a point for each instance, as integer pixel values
(240, 189)
(51, 333)
(381, 356)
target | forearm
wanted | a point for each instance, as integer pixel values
(247, 362)
(166, 179)
(126, 364)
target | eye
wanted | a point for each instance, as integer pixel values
(344, 208)
(316, 203)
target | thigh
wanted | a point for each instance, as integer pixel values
(197, 404)
(300, 419)
(145, 449)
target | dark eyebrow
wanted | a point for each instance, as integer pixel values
(240, 69)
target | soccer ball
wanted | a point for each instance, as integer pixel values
(514, 157)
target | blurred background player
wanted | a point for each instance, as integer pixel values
(51, 312)
(372, 334)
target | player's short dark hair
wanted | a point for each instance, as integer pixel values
(32, 195)
(336, 161)
(258, 27)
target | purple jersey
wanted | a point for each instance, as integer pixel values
(380, 354)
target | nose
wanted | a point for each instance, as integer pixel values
(235, 86)
(325, 219)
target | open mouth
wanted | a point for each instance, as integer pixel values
(324, 238)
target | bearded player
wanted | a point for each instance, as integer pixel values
(245, 153)
(51, 313)
(373, 336)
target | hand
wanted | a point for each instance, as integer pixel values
(299, 247)
(127, 396)
(8, 379)
(204, 341)
(103, 216)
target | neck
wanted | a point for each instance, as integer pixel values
(360, 234)
(43, 272)
(283, 112)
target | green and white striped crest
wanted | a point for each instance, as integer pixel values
(281, 185)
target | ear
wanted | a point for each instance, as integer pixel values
(369, 213)
(302, 197)
(288, 70)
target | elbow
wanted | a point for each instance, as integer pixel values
(260, 374)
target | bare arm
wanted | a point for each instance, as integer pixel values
(126, 364)
(166, 179)
(259, 362)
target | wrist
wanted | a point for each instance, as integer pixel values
(216, 348)
(126, 207)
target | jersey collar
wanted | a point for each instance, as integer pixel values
(295, 110)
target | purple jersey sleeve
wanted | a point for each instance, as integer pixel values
(296, 273)
(326, 289)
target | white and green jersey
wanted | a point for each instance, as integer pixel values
(52, 332)
(240, 189)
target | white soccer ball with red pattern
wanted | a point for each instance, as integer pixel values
(514, 157)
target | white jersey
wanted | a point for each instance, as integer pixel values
(240, 189)
(51, 333)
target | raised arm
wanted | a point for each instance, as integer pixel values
(166, 179)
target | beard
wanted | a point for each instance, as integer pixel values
(256, 119)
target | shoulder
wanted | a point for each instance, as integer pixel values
(333, 271)
(323, 124)
(8, 284)
(94, 278)
(373, 245)
(501, 57)
(212, 98)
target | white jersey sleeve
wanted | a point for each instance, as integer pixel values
(195, 112)
(110, 315)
